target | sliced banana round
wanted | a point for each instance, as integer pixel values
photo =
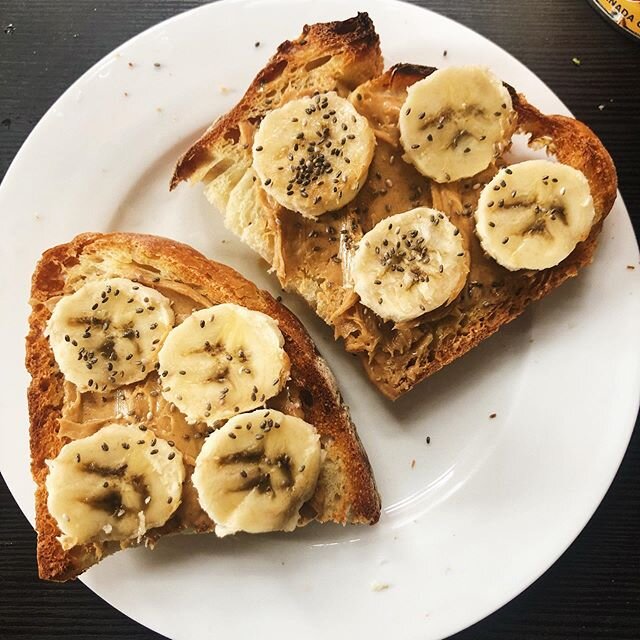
(108, 333)
(455, 122)
(114, 485)
(256, 472)
(221, 361)
(410, 263)
(533, 214)
(312, 154)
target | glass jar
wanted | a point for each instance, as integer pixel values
(622, 14)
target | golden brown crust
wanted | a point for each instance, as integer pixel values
(354, 40)
(324, 407)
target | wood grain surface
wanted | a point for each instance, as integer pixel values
(593, 591)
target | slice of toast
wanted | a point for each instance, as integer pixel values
(311, 258)
(346, 491)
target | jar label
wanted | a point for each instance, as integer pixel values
(625, 13)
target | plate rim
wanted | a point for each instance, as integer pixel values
(634, 402)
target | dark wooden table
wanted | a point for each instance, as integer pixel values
(593, 591)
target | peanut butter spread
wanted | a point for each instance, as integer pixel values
(143, 406)
(312, 256)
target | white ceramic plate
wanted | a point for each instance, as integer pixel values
(490, 503)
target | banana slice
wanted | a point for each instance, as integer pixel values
(312, 155)
(114, 485)
(256, 472)
(108, 333)
(410, 263)
(455, 122)
(533, 214)
(221, 361)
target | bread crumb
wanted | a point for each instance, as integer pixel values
(601, 107)
(413, 463)
(224, 90)
(444, 53)
(157, 65)
(493, 415)
(379, 586)
(130, 65)
(126, 94)
(630, 267)
(159, 109)
(576, 61)
(257, 44)
(428, 439)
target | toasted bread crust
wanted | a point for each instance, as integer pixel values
(359, 501)
(355, 41)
